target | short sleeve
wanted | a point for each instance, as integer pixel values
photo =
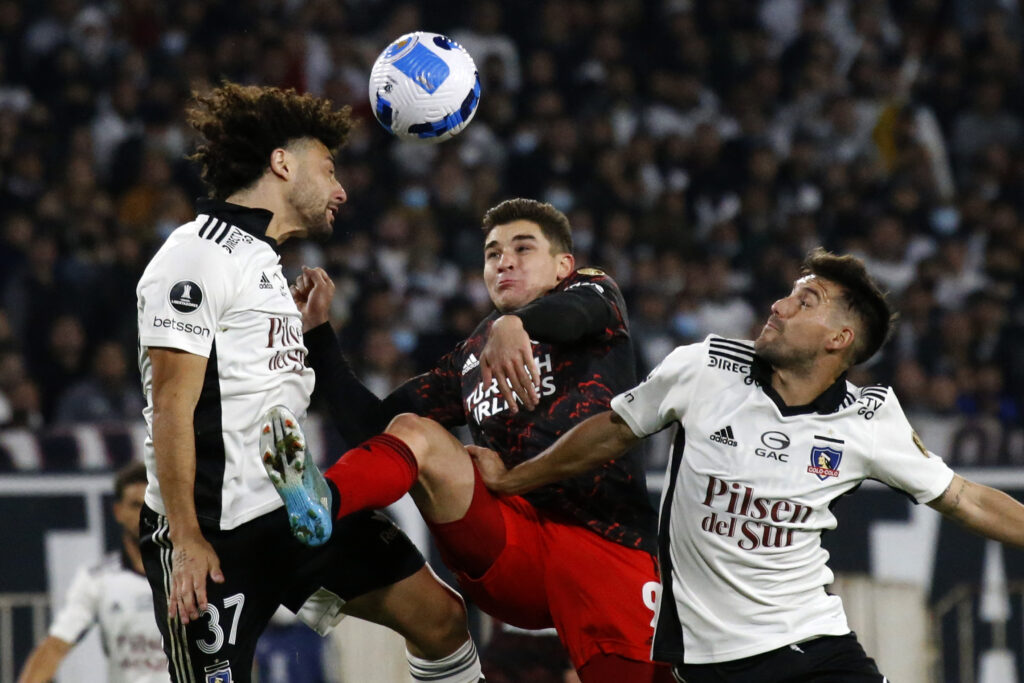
(81, 609)
(183, 294)
(665, 395)
(900, 459)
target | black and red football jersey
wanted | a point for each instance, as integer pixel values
(577, 380)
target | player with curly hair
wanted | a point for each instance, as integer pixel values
(221, 344)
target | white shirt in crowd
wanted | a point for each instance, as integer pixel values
(119, 600)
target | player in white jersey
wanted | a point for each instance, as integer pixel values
(220, 342)
(770, 434)
(114, 595)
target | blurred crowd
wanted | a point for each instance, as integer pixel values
(700, 149)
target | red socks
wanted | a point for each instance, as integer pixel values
(374, 474)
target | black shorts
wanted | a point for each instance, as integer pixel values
(264, 567)
(829, 659)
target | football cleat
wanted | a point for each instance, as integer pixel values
(300, 484)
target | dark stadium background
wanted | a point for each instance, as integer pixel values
(700, 148)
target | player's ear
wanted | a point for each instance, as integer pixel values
(841, 339)
(566, 264)
(280, 163)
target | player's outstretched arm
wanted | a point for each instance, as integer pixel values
(177, 383)
(599, 439)
(982, 509)
(43, 662)
(357, 412)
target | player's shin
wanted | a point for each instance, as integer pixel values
(461, 666)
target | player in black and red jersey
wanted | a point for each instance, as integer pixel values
(577, 554)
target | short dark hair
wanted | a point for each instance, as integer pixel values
(132, 473)
(243, 124)
(862, 296)
(552, 222)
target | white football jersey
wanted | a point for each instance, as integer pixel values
(215, 289)
(118, 599)
(747, 495)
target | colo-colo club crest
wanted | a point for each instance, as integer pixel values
(826, 453)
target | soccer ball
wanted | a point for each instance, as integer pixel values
(424, 87)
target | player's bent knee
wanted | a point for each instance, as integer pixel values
(414, 431)
(426, 438)
(441, 627)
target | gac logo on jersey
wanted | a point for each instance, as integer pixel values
(825, 457)
(774, 443)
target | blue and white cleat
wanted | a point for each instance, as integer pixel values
(297, 480)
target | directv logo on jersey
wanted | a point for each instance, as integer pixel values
(725, 436)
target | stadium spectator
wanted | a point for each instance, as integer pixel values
(107, 394)
(801, 86)
(114, 595)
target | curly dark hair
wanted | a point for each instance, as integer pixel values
(862, 296)
(552, 222)
(243, 124)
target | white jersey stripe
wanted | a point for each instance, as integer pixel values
(732, 345)
(210, 220)
(179, 643)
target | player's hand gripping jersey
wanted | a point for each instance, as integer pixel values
(749, 488)
(579, 377)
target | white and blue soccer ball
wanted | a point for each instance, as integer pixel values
(424, 87)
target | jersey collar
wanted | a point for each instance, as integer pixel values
(828, 402)
(253, 221)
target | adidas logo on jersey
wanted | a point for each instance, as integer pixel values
(470, 363)
(725, 436)
(265, 282)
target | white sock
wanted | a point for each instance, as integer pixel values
(461, 666)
